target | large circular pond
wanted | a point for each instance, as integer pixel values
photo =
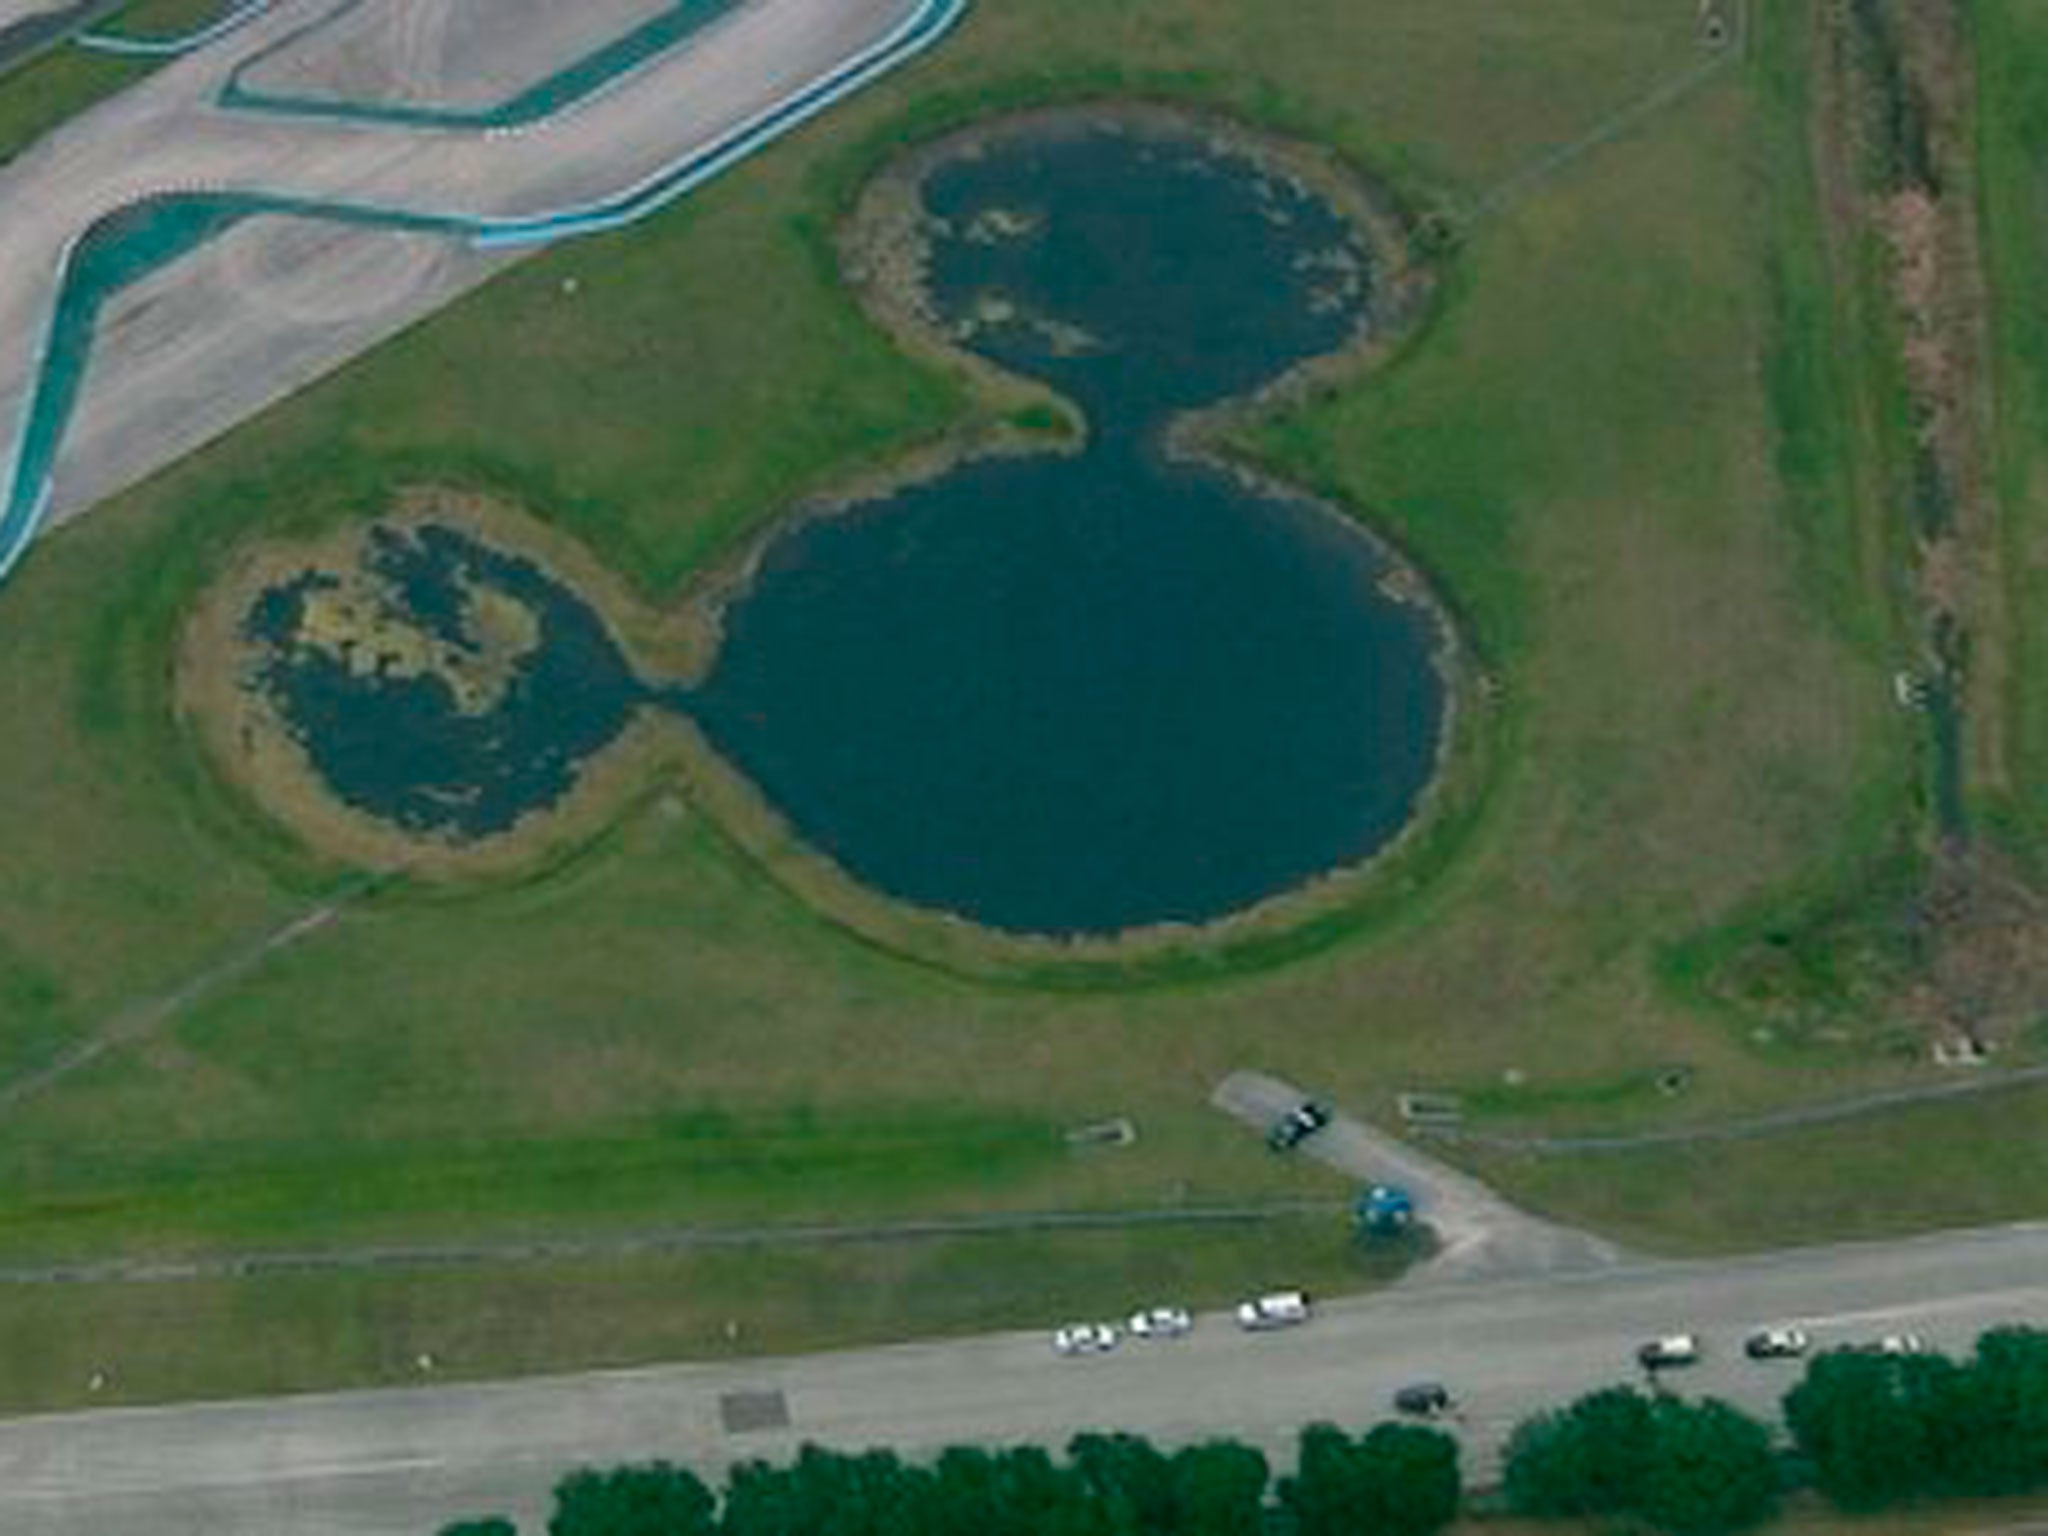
(1081, 694)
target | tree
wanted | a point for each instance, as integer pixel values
(2009, 1407)
(654, 1500)
(1131, 1481)
(1587, 1459)
(1017, 1492)
(822, 1493)
(1411, 1480)
(1219, 1489)
(1866, 1441)
(1711, 1470)
(1399, 1480)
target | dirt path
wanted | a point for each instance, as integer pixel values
(143, 1019)
(1481, 1234)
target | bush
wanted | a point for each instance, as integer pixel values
(654, 1500)
(1693, 1469)
(1881, 1430)
(1398, 1480)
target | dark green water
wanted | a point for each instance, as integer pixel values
(1062, 694)
(1075, 695)
(400, 747)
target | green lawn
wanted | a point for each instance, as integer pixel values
(280, 1333)
(2012, 52)
(1587, 446)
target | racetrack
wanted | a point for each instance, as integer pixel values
(382, 1463)
(613, 157)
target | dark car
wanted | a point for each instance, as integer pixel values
(1424, 1399)
(1775, 1344)
(1297, 1125)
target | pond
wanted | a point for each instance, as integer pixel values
(1086, 689)
(439, 684)
(1081, 693)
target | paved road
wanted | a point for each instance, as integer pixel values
(385, 1463)
(1481, 1234)
(157, 389)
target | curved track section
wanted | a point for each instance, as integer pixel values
(673, 124)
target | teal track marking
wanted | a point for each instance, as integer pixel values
(103, 41)
(557, 92)
(129, 244)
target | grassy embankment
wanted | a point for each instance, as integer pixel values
(1580, 447)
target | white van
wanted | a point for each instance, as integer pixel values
(1275, 1309)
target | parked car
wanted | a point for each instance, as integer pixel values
(1084, 1339)
(1297, 1125)
(1775, 1344)
(1276, 1309)
(1423, 1399)
(1899, 1344)
(1672, 1349)
(1160, 1323)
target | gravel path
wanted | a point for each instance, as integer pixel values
(1481, 1234)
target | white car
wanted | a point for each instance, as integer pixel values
(1672, 1349)
(1084, 1339)
(1901, 1344)
(1275, 1309)
(1159, 1323)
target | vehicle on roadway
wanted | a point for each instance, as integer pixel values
(1275, 1309)
(1297, 1125)
(1159, 1323)
(1672, 1349)
(1084, 1339)
(1775, 1344)
(1423, 1399)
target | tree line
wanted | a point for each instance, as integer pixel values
(1401, 1478)
(1866, 1431)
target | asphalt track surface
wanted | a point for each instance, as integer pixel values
(404, 1461)
(651, 135)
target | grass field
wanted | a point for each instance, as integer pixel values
(2012, 47)
(279, 1333)
(1618, 446)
